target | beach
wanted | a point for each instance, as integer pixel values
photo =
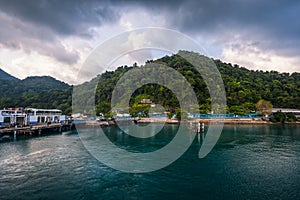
(208, 120)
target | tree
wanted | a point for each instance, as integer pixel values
(141, 110)
(291, 117)
(278, 117)
(238, 110)
(103, 107)
(264, 107)
(181, 114)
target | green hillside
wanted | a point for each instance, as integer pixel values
(35, 91)
(244, 88)
(5, 76)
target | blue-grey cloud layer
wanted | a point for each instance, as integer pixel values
(272, 25)
(39, 25)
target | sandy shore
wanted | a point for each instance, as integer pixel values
(175, 121)
(207, 121)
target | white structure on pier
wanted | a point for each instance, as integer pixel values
(12, 116)
(38, 116)
(18, 116)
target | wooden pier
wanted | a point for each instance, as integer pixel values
(35, 129)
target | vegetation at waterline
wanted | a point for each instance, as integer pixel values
(244, 89)
(282, 117)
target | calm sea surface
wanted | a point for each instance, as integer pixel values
(249, 162)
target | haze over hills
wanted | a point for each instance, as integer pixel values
(244, 88)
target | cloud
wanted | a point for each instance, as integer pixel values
(266, 31)
(66, 17)
(42, 26)
(251, 56)
(15, 37)
(274, 24)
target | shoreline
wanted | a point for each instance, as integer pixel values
(226, 121)
(207, 121)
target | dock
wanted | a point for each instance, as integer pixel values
(35, 129)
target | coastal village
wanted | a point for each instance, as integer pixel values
(24, 121)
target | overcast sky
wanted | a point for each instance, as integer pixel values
(43, 37)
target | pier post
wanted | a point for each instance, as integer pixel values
(15, 133)
(202, 127)
(200, 137)
(200, 131)
(198, 127)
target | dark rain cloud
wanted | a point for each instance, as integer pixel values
(64, 17)
(271, 25)
(277, 16)
(40, 25)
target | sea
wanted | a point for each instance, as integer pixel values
(248, 162)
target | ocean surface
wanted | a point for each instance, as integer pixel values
(248, 162)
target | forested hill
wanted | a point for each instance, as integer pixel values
(244, 87)
(34, 84)
(5, 76)
(34, 91)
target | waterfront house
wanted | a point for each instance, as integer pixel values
(146, 101)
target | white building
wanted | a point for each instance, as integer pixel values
(16, 116)
(38, 116)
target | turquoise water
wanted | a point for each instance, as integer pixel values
(249, 162)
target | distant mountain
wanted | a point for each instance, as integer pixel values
(34, 91)
(6, 76)
(42, 83)
(14, 87)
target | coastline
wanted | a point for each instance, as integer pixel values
(207, 121)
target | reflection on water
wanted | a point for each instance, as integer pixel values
(249, 162)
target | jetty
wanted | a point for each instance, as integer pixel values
(38, 129)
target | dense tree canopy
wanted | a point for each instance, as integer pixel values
(244, 88)
(36, 92)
